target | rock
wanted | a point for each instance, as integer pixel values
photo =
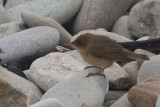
(10, 28)
(117, 77)
(144, 18)
(149, 68)
(61, 11)
(122, 102)
(107, 11)
(79, 90)
(103, 32)
(2, 2)
(27, 74)
(75, 54)
(34, 20)
(114, 94)
(49, 102)
(158, 102)
(134, 3)
(22, 87)
(53, 68)
(120, 27)
(109, 103)
(5, 17)
(143, 38)
(24, 47)
(145, 94)
(132, 69)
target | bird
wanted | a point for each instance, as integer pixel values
(101, 51)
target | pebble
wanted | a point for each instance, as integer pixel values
(34, 20)
(108, 11)
(23, 88)
(53, 68)
(10, 28)
(28, 45)
(59, 10)
(145, 94)
(79, 90)
(49, 102)
(144, 18)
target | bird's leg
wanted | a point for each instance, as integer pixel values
(92, 67)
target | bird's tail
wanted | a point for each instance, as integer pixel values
(137, 56)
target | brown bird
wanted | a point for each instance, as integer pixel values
(101, 51)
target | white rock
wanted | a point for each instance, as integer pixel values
(59, 10)
(49, 102)
(79, 90)
(143, 38)
(10, 28)
(27, 74)
(53, 68)
(149, 68)
(158, 101)
(102, 31)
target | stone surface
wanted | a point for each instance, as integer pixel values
(134, 3)
(34, 20)
(2, 2)
(11, 96)
(149, 68)
(117, 77)
(143, 38)
(59, 10)
(108, 11)
(158, 102)
(28, 45)
(145, 94)
(27, 74)
(10, 28)
(53, 68)
(101, 31)
(132, 68)
(121, 28)
(144, 18)
(5, 17)
(114, 94)
(49, 102)
(122, 102)
(22, 85)
(79, 90)
(109, 103)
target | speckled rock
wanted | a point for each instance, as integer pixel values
(149, 68)
(59, 10)
(99, 14)
(79, 90)
(5, 17)
(28, 45)
(24, 87)
(121, 28)
(144, 18)
(34, 20)
(10, 28)
(49, 102)
(53, 68)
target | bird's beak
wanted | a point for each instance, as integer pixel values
(68, 44)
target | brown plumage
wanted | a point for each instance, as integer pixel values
(101, 51)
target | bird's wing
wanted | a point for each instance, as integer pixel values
(109, 50)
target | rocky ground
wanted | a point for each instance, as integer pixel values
(38, 70)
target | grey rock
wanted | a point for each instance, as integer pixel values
(121, 28)
(22, 85)
(109, 103)
(5, 17)
(114, 94)
(53, 68)
(117, 77)
(11, 3)
(144, 18)
(134, 3)
(122, 102)
(27, 74)
(28, 44)
(34, 20)
(2, 2)
(49, 102)
(99, 14)
(79, 90)
(158, 101)
(59, 10)
(10, 28)
(149, 68)
(132, 69)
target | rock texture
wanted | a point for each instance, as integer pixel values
(79, 90)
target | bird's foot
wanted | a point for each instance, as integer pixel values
(95, 74)
(91, 67)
